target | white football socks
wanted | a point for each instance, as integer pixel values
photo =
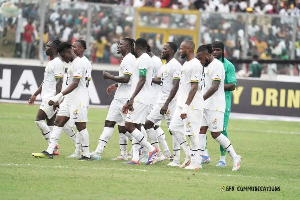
(202, 143)
(123, 144)
(105, 136)
(55, 135)
(44, 129)
(161, 137)
(85, 142)
(135, 149)
(180, 137)
(195, 152)
(176, 148)
(70, 132)
(142, 140)
(224, 141)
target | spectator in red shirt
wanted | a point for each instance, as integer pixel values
(27, 41)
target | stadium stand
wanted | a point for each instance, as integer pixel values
(272, 36)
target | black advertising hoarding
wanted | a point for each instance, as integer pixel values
(255, 96)
(18, 83)
(252, 96)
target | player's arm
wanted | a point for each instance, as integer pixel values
(33, 97)
(77, 75)
(139, 86)
(172, 94)
(59, 82)
(156, 80)
(119, 79)
(191, 95)
(214, 87)
(231, 78)
(111, 88)
(72, 86)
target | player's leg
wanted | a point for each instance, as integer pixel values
(222, 161)
(114, 114)
(203, 139)
(161, 137)
(55, 135)
(50, 123)
(138, 116)
(123, 143)
(177, 129)
(194, 121)
(85, 140)
(216, 126)
(176, 151)
(106, 134)
(41, 124)
(45, 112)
(152, 119)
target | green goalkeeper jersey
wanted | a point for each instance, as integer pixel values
(229, 78)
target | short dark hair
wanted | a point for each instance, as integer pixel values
(82, 43)
(56, 42)
(63, 46)
(141, 43)
(218, 44)
(173, 46)
(205, 47)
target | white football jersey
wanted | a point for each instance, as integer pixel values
(155, 89)
(78, 70)
(54, 69)
(191, 73)
(126, 68)
(143, 62)
(88, 66)
(169, 72)
(214, 72)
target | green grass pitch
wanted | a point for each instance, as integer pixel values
(270, 151)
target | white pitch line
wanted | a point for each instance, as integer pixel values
(201, 171)
(265, 131)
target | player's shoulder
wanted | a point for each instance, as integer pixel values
(217, 64)
(174, 63)
(156, 61)
(129, 58)
(195, 64)
(145, 59)
(56, 61)
(78, 62)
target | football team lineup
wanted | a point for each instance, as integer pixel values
(191, 98)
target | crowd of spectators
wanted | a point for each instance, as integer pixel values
(285, 7)
(268, 37)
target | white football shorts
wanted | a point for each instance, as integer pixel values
(155, 115)
(115, 111)
(189, 126)
(139, 114)
(76, 112)
(213, 119)
(47, 109)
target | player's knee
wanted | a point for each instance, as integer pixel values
(109, 123)
(122, 129)
(129, 127)
(148, 124)
(215, 134)
(80, 126)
